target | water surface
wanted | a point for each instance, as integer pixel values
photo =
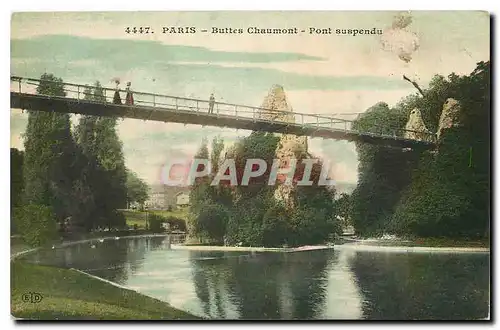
(325, 284)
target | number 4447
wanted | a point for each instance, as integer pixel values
(142, 29)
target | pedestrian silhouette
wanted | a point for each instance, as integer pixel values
(116, 98)
(211, 103)
(129, 99)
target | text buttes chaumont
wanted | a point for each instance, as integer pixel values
(257, 30)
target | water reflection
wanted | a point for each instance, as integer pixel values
(422, 286)
(327, 284)
(111, 259)
(263, 285)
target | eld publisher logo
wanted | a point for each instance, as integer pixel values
(32, 297)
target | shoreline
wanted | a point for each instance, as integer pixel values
(248, 248)
(358, 245)
(410, 249)
(71, 294)
(174, 313)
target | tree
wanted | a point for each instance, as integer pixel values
(155, 222)
(442, 193)
(343, 207)
(50, 168)
(16, 177)
(250, 214)
(91, 173)
(137, 189)
(102, 187)
(35, 223)
(215, 155)
(16, 183)
(211, 222)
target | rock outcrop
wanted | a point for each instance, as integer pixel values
(290, 146)
(416, 129)
(449, 116)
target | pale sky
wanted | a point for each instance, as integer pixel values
(320, 73)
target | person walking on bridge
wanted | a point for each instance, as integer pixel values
(211, 103)
(129, 99)
(116, 98)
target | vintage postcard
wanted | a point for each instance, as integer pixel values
(266, 165)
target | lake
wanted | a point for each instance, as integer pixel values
(340, 283)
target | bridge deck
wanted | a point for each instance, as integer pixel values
(247, 120)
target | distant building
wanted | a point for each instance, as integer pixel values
(182, 199)
(162, 197)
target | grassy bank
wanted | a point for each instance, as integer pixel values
(450, 242)
(439, 242)
(139, 217)
(68, 294)
(18, 245)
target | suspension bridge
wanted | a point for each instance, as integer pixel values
(166, 108)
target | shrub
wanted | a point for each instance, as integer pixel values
(275, 226)
(116, 219)
(211, 221)
(155, 223)
(176, 223)
(35, 223)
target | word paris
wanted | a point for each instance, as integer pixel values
(179, 173)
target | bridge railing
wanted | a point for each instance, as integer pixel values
(77, 92)
(160, 102)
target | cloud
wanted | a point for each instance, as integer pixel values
(136, 51)
(154, 67)
(320, 73)
(340, 155)
(149, 145)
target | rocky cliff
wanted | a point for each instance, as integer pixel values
(449, 116)
(277, 107)
(416, 129)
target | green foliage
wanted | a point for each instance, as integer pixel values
(275, 226)
(114, 219)
(215, 155)
(50, 168)
(35, 223)
(250, 215)
(211, 221)
(203, 196)
(245, 224)
(16, 182)
(102, 186)
(259, 145)
(137, 189)
(16, 177)
(155, 222)
(176, 223)
(343, 206)
(429, 194)
(50, 85)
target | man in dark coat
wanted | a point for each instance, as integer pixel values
(211, 103)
